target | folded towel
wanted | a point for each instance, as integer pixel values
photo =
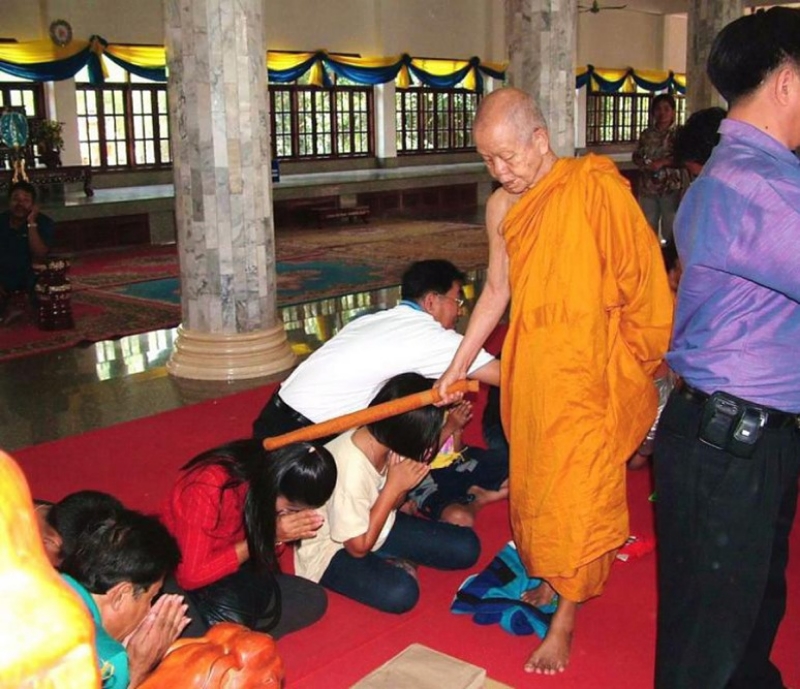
(494, 596)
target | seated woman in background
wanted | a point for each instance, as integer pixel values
(366, 549)
(229, 509)
(462, 479)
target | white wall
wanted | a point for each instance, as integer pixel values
(619, 38)
(432, 28)
(131, 21)
(675, 42)
(347, 26)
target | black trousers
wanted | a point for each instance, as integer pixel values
(274, 603)
(723, 525)
(277, 418)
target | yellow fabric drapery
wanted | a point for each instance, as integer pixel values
(152, 56)
(35, 52)
(618, 80)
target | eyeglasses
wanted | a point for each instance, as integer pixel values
(458, 300)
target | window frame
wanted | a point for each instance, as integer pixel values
(39, 113)
(325, 123)
(639, 116)
(128, 87)
(409, 112)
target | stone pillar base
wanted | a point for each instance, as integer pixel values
(217, 356)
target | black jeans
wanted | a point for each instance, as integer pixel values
(723, 525)
(274, 603)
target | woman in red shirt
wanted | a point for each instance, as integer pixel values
(229, 509)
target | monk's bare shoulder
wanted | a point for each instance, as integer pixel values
(497, 207)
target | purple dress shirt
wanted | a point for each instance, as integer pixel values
(737, 323)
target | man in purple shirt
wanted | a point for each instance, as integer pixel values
(728, 447)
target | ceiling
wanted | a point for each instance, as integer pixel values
(675, 6)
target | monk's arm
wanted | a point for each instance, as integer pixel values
(647, 302)
(488, 373)
(494, 298)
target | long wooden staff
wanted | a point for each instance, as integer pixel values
(364, 416)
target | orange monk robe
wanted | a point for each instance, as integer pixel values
(591, 312)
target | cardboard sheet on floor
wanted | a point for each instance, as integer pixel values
(420, 667)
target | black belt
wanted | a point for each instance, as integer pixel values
(773, 418)
(295, 415)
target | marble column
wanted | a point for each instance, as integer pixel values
(541, 37)
(223, 193)
(705, 19)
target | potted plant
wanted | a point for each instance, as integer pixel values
(48, 137)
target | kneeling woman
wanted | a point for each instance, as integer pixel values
(228, 510)
(365, 549)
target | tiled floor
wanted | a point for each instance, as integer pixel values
(50, 396)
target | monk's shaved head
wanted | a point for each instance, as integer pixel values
(512, 107)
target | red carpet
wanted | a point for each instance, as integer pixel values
(614, 644)
(98, 315)
(123, 266)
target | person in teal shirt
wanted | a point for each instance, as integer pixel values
(111, 653)
(117, 570)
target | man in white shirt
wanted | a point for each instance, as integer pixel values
(417, 335)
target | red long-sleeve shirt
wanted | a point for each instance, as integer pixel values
(207, 523)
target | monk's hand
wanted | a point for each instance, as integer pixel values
(404, 474)
(294, 526)
(450, 376)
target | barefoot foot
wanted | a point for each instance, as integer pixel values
(552, 656)
(540, 596)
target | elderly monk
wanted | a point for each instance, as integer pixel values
(590, 321)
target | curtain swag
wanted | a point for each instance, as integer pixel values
(44, 61)
(626, 80)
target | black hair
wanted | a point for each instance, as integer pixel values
(662, 98)
(750, 48)
(126, 547)
(76, 512)
(695, 140)
(413, 434)
(22, 185)
(302, 472)
(434, 275)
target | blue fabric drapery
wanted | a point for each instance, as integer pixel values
(41, 61)
(614, 80)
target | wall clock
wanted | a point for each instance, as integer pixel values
(60, 32)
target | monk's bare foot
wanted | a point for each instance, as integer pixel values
(540, 596)
(552, 656)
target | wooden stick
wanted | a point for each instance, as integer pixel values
(369, 415)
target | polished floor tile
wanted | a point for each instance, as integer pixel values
(49, 396)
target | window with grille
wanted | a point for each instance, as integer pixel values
(124, 123)
(432, 120)
(619, 118)
(309, 122)
(23, 96)
(20, 93)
